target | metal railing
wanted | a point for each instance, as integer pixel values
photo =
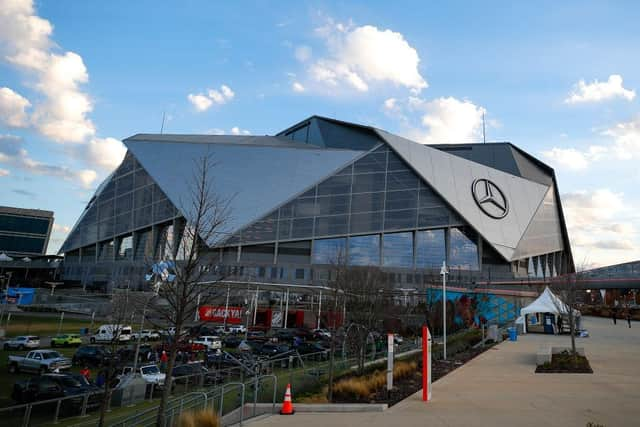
(213, 389)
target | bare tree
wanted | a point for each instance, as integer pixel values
(181, 290)
(567, 304)
(123, 305)
(367, 298)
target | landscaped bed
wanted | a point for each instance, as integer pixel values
(563, 363)
(407, 375)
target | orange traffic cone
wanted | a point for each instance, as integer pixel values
(287, 406)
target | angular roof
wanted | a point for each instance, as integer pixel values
(253, 180)
(452, 177)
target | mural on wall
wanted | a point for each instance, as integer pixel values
(468, 309)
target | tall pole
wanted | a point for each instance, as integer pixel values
(226, 310)
(60, 324)
(255, 307)
(196, 316)
(319, 308)
(286, 309)
(444, 272)
(135, 359)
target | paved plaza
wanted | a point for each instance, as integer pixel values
(500, 388)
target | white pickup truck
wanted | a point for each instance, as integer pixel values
(39, 361)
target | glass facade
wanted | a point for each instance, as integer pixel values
(431, 248)
(377, 193)
(397, 250)
(463, 252)
(364, 250)
(22, 244)
(21, 224)
(128, 200)
(329, 251)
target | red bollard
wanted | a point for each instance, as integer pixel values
(426, 364)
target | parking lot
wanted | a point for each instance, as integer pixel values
(207, 357)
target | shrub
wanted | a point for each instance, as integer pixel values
(352, 389)
(202, 418)
(360, 388)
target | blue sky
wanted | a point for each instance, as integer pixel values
(558, 80)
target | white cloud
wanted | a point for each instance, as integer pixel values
(233, 131)
(573, 159)
(390, 104)
(599, 231)
(13, 153)
(237, 131)
(202, 102)
(449, 120)
(303, 53)
(61, 228)
(62, 110)
(297, 87)
(626, 136)
(105, 153)
(4, 172)
(25, 42)
(359, 56)
(599, 91)
(13, 108)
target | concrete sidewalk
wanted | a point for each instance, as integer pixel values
(500, 388)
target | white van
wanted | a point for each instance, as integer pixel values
(107, 333)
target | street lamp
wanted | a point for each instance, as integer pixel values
(443, 273)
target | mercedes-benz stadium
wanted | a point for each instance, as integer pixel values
(321, 187)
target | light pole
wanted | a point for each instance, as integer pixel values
(444, 272)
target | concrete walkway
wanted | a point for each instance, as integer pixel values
(500, 388)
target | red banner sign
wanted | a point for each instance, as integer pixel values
(209, 313)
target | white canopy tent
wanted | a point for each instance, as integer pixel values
(547, 302)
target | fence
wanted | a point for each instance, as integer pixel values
(222, 389)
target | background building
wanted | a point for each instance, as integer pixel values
(24, 232)
(323, 189)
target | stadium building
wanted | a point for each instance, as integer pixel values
(324, 187)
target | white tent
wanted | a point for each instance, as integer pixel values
(547, 302)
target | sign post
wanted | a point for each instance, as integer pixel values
(389, 363)
(426, 364)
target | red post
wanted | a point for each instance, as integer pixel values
(425, 367)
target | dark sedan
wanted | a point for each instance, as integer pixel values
(51, 386)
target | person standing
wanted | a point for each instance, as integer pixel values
(85, 372)
(613, 315)
(629, 316)
(163, 361)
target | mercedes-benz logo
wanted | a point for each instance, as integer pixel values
(489, 198)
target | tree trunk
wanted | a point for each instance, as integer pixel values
(332, 349)
(166, 393)
(573, 337)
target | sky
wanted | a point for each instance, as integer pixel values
(557, 79)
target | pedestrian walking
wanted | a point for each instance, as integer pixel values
(629, 317)
(613, 315)
(85, 372)
(163, 361)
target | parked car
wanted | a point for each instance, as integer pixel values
(110, 333)
(271, 350)
(149, 373)
(256, 335)
(92, 355)
(232, 341)
(22, 342)
(237, 329)
(39, 361)
(397, 339)
(192, 372)
(128, 353)
(312, 348)
(146, 335)
(211, 342)
(65, 340)
(51, 386)
(321, 334)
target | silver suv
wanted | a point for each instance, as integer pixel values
(22, 343)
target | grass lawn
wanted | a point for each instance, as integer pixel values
(43, 326)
